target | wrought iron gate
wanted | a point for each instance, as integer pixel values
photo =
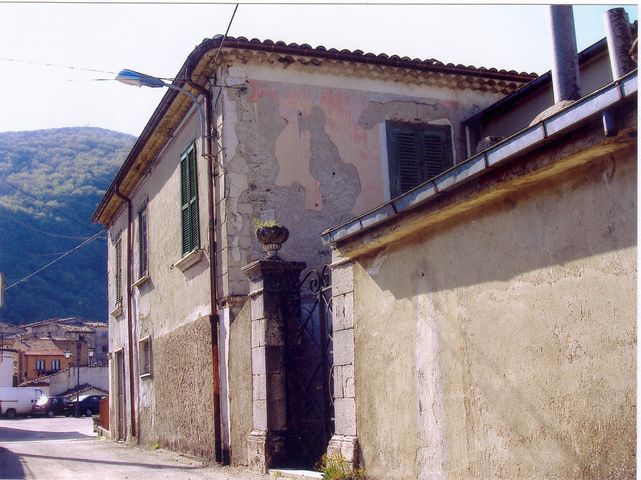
(309, 360)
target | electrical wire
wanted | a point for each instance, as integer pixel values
(220, 47)
(47, 206)
(26, 225)
(226, 32)
(55, 65)
(68, 252)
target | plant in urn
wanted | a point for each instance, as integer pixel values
(272, 236)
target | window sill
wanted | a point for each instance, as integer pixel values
(117, 312)
(145, 375)
(189, 260)
(141, 281)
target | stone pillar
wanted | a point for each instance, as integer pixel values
(272, 282)
(344, 442)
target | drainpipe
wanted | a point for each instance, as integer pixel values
(215, 317)
(565, 66)
(619, 36)
(127, 200)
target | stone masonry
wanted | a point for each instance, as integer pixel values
(272, 281)
(344, 442)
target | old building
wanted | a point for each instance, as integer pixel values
(91, 334)
(210, 345)
(307, 136)
(38, 357)
(496, 304)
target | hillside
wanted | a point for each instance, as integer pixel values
(50, 184)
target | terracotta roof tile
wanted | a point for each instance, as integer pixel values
(359, 55)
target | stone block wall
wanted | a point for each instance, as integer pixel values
(344, 441)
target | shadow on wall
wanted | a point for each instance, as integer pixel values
(589, 210)
(526, 366)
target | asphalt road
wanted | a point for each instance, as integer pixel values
(66, 448)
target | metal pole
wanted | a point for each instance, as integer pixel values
(78, 377)
(565, 66)
(617, 27)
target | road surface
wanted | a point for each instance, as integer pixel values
(64, 448)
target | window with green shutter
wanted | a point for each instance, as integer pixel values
(416, 152)
(118, 273)
(189, 201)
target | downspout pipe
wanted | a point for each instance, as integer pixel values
(130, 349)
(565, 65)
(221, 455)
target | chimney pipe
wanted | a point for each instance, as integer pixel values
(619, 35)
(565, 67)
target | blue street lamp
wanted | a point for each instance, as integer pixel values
(137, 79)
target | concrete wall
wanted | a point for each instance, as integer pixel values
(309, 149)
(63, 381)
(502, 344)
(6, 368)
(240, 385)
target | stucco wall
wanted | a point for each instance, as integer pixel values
(63, 381)
(169, 307)
(179, 415)
(240, 385)
(503, 344)
(309, 149)
(593, 75)
(6, 368)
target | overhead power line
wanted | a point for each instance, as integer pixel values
(26, 225)
(69, 252)
(16, 60)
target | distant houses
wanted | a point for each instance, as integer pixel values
(48, 353)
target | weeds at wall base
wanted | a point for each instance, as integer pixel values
(336, 467)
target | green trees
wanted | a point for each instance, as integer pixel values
(50, 183)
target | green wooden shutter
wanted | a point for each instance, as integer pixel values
(118, 275)
(189, 201)
(416, 153)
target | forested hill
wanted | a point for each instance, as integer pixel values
(50, 184)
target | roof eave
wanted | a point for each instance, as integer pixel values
(529, 138)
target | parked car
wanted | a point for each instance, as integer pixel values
(89, 405)
(51, 406)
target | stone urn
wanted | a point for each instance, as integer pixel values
(272, 238)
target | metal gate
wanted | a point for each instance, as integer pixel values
(309, 361)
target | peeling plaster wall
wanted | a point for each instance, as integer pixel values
(168, 306)
(309, 149)
(504, 342)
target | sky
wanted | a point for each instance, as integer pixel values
(39, 42)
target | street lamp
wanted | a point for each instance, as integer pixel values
(67, 354)
(137, 79)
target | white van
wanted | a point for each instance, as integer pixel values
(18, 400)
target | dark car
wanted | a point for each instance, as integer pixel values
(89, 405)
(50, 406)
